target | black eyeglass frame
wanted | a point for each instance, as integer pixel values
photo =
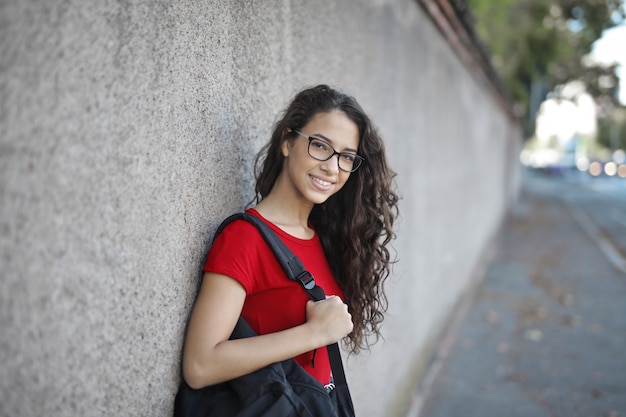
(358, 159)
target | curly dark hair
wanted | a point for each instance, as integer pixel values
(355, 225)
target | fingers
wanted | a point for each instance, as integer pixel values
(332, 300)
(330, 318)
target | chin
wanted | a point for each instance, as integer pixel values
(319, 199)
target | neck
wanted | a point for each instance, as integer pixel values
(287, 211)
(279, 211)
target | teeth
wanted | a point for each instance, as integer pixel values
(322, 182)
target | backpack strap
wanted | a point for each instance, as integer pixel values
(290, 263)
(295, 271)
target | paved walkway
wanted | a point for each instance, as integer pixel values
(546, 335)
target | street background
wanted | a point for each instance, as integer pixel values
(546, 334)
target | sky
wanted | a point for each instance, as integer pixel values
(611, 47)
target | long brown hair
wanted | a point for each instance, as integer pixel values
(355, 225)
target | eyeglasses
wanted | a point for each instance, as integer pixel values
(322, 151)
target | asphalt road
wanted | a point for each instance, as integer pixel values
(546, 332)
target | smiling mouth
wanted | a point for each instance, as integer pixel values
(321, 181)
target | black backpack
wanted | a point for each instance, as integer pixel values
(281, 389)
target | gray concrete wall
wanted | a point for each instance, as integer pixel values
(127, 132)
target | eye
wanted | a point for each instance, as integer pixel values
(348, 157)
(318, 144)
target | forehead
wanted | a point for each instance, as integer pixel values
(336, 127)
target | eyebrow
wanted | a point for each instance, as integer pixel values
(319, 135)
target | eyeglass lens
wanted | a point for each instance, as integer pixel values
(322, 151)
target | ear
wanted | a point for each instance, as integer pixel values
(286, 144)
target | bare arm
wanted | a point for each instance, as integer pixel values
(210, 357)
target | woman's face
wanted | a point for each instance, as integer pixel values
(312, 180)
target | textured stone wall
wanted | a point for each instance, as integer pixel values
(128, 131)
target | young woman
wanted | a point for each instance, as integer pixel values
(325, 188)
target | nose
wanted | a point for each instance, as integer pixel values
(331, 165)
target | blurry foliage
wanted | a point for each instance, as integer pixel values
(543, 42)
(612, 130)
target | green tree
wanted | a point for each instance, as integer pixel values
(543, 43)
(612, 130)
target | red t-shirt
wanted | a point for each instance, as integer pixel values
(273, 302)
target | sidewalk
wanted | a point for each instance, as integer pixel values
(546, 334)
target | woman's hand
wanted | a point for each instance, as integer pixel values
(329, 319)
(211, 357)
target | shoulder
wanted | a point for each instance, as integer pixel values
(238, 232)
(238, 252)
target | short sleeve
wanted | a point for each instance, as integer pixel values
(234, 252)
